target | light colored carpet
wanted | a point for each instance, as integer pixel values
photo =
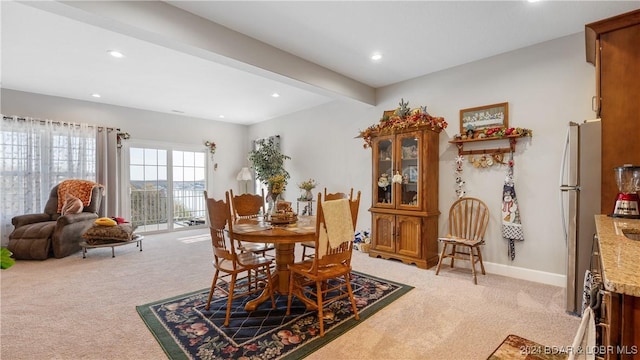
(75, 308)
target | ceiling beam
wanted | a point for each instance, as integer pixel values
(166, 25)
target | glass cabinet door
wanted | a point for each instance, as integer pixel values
(408, 192)
(383, 162)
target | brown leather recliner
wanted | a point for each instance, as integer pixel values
(37, 236)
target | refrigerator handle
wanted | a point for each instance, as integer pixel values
(563, 166)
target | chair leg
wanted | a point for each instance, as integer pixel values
(480, 259)
(453, 253)
(351, 297)
(232, 285)
(444, 248)
(213, 286)
(473, 265)
(320, 314)
(291, 279)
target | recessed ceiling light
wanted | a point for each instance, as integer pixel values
(221, 116)
(275, 95)
(96, 95)
(376, 56)
(115, 53)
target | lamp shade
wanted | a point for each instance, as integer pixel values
(244, 174)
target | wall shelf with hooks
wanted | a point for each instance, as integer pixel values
(495, 150)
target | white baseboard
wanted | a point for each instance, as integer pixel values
(518, 273)
(526, 274)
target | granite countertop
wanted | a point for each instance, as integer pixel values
(620, 255)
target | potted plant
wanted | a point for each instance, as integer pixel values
(268, 163)
(6, 261)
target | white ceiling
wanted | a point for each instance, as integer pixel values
(175, 61)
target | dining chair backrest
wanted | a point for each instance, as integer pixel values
(247, 206)
(219, 213)
(337, 195)
(468, 218)
(349, 196)
(326, 254)
(327, 197)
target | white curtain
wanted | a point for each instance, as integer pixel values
(35, 155)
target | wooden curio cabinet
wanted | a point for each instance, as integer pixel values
(405, 212)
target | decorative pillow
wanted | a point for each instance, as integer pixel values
(121, 232)
(105, 221)
(72, 205)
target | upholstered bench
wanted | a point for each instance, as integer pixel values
(137, 239)
(98, 236)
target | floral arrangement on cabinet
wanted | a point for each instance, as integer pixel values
(402, 118)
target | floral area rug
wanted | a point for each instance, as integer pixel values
(185, 330)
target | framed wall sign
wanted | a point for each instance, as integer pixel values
(484, 117)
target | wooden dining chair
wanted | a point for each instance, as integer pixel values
(250, 206)
(310, 245)
(468, 219)
(326, 278)
(236, 274)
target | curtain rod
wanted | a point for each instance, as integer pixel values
(19, 118)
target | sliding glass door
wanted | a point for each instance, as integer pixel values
(166, 188)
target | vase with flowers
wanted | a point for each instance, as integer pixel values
(276, 185)
(306, 186)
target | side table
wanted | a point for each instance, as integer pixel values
(137, 239)
(307, 207)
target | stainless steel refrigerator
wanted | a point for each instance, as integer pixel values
(580, 201)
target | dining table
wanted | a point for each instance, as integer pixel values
(284, 237)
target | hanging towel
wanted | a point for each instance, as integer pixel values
(585, 340)
(339, 226)
(511, 224)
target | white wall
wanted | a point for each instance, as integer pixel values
(546, 85)
(143, 126)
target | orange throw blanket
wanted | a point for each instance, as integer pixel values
(79, 188)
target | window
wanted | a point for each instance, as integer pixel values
(188, 186)
(35, 156)
(166, 188)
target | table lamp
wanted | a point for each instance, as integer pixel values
(244, 176)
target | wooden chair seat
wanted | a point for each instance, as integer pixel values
(246, 260)
(457, 240)
(468, 219)
(255, 247)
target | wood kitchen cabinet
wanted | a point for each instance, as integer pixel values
(405, 213)
(617, 262)
(613, 46)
